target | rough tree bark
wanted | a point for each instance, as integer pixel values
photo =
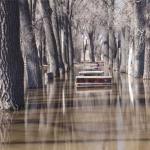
(11, 62)
(29, 46)
(51, 46)
(139, 39)
(147, 44)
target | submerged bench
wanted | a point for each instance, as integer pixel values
(92, 79)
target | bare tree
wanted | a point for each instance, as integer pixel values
(51, 46)
(139, 38)
(147, 44)
(29, 47)
(56, 22)
(11, 62)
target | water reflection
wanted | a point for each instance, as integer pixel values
(60, 116)
(5, 125)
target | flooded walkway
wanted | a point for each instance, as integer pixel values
(60, 117)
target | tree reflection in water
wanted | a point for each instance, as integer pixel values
(60, 114)
(5, 126)
(61, 96)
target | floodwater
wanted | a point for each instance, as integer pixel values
(61, 117)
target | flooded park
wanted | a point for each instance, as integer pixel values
(74, 74)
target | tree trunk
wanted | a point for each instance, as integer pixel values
(70, 40)
(51, 46)
(105, 48)
(131, 56)
(111, 31)
(11, 62)
(91, 39)
(84, 48)
(112, 48)
(127, 42)
(29, 47)
(71, 48)
(124, 49)
(147, 44)
(139, 38)
(123, 52)
(66, 38)
(146, 92)
(63, 48)
(116, 62)
(57, 28)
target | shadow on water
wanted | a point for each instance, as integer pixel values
(59, 116)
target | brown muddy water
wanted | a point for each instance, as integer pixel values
(61, 117)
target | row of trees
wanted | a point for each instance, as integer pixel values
(46, 37)
(133, 31)
(34, 33)
(119, 31)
